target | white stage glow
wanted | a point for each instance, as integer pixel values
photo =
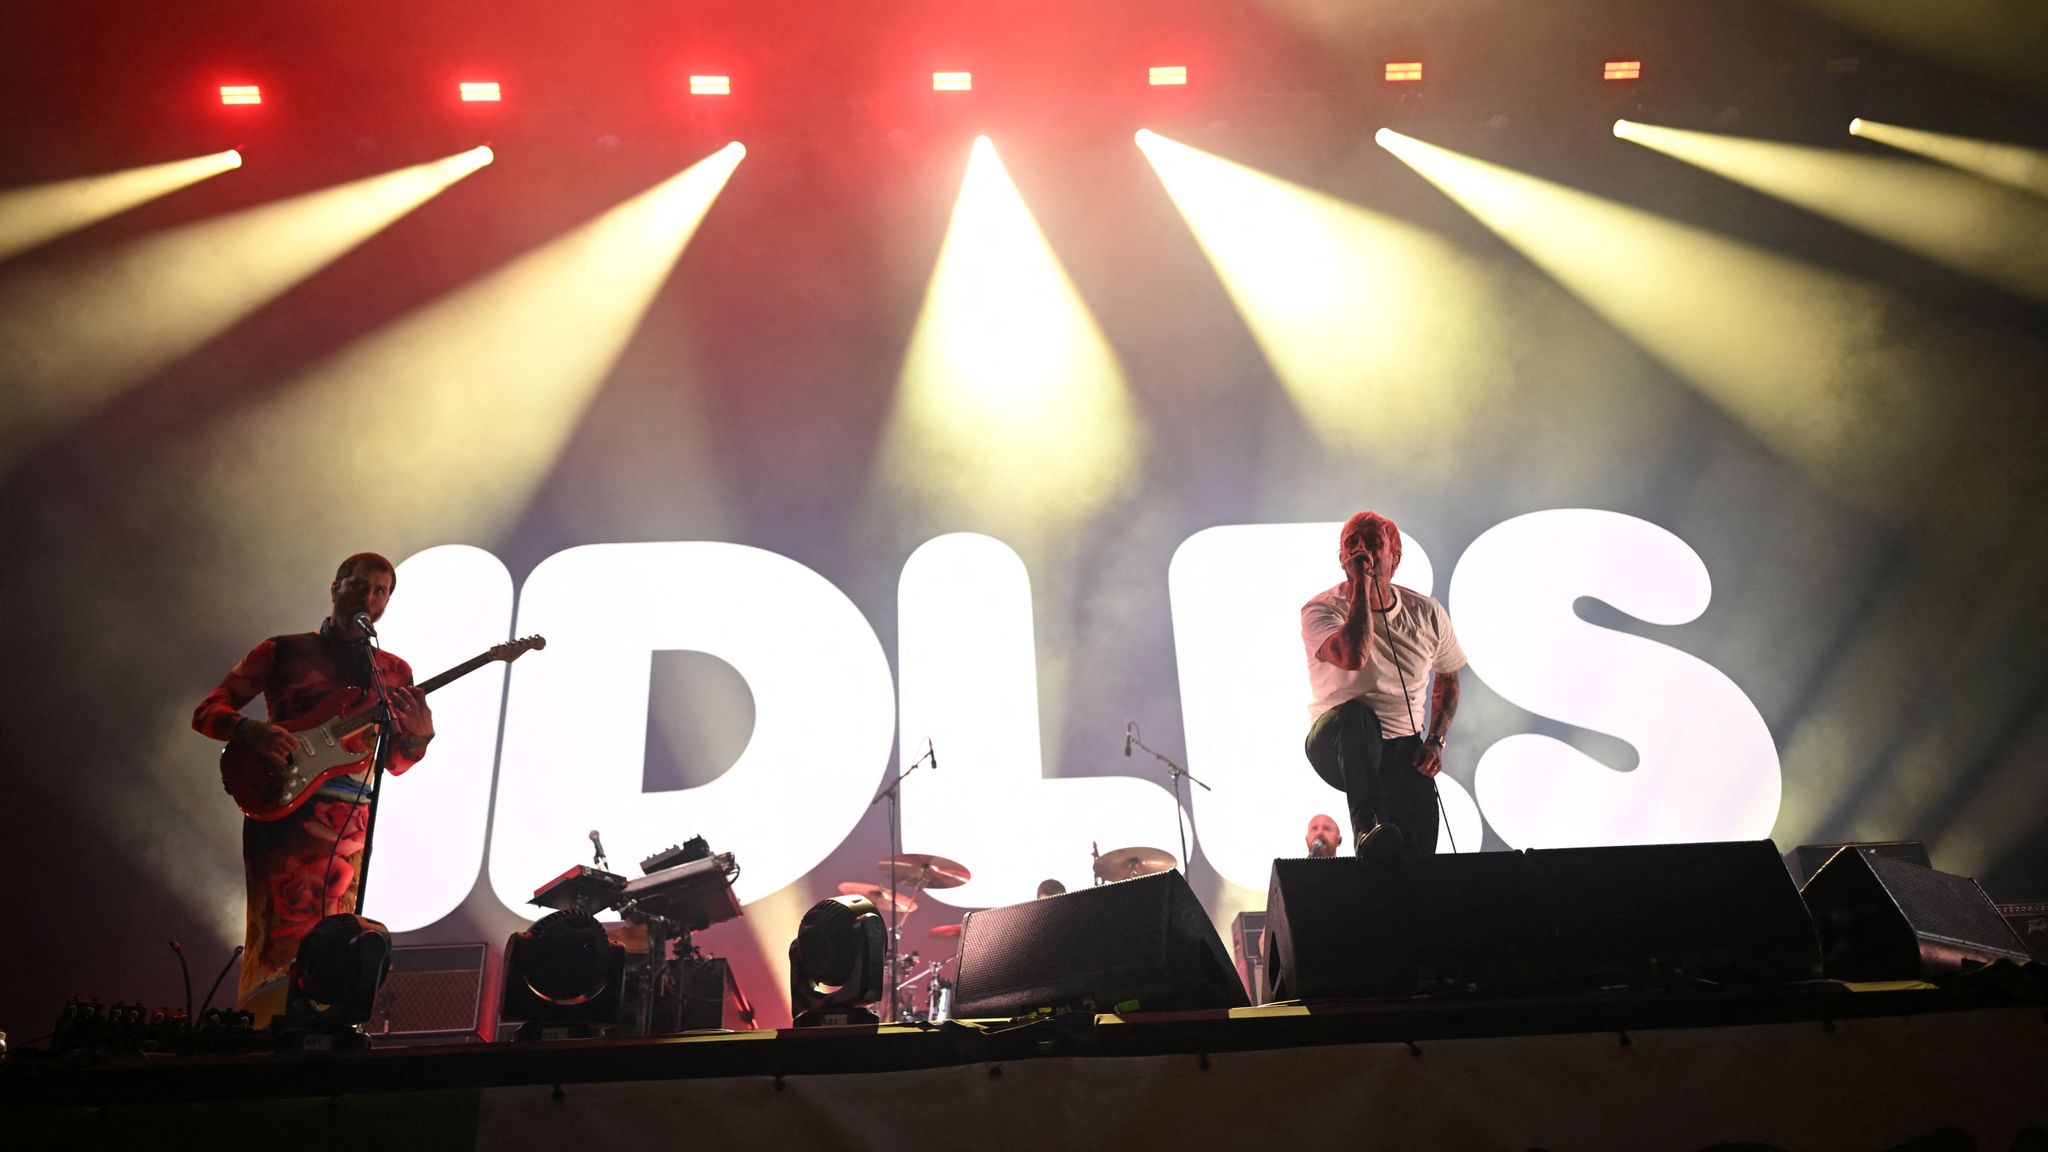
(576, 722)
(1708, 768)
(452, 602)
(1237, 593)
(969, 664)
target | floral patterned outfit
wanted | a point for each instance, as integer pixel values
(304, 866)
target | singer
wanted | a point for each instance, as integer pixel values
(1374, 650)
(304, 867)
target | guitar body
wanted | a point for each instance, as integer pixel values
(333, 739)
(266, 791)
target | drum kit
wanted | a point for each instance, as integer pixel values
(915, 872)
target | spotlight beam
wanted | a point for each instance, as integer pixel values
(73, 338)
(451, 415)
(2010, 164)
(30, 217)
(1952, 218)
(1010, 403)
(1376, 328)
(1800, 356)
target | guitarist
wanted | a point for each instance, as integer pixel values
(304, 867)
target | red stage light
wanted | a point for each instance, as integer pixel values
(710, 85)
(952, 81)
(240, 94)
(1174, 74)
(1622, 70)
(480, 90)
(1406, 71)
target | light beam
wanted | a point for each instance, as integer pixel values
(75, 337)
(1011, 403)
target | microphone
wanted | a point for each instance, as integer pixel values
(362, 621)
(1130, 734)
(931, 753)
(1319, 848)
(597, 855)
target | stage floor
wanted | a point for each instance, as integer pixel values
(1822, 1065)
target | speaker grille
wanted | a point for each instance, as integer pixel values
(1146, 940)
(1951, 909)
(432, 988)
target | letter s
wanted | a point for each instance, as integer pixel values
(1708, 768)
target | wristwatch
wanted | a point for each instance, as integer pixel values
(1437, 740)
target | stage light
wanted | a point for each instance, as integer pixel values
(1010, 404)
(240, 94)
(1175, 75)
(165, 295)
(836, 971)
(565, 974)
(1950, 217)
(340, 964)
(30, 217)
(952, 81)
(1800, 356)
(475, 91)
(2009, 164)
(1404, 72)
(710, 85)
(1622, 70)
(1378, 330)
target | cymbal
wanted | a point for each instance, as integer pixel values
(923, 870)
(1128, 863)
(946, 930)
(879, 896)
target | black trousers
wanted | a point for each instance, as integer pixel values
(1377, 776)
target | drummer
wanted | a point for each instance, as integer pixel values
(1050, 888)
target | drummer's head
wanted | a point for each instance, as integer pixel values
(1050, 888)
(1323, 828)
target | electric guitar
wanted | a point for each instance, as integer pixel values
(329, 742)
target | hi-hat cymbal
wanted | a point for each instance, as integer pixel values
(879, 896)
(1129, 863)
(923, 870)
(946, 930)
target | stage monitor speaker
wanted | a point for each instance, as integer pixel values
(1655, 914)
(1145, 940)
(434, 992)
(1345, 928)
(1806, 859)
(1883, 919)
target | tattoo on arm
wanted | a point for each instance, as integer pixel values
(1443, 703)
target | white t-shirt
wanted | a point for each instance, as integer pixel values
(1410, 640)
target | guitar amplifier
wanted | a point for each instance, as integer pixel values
(2029, 921)
(434, 994)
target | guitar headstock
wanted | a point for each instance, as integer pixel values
(512, 650)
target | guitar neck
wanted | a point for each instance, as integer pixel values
(360, 719)
(456, 673)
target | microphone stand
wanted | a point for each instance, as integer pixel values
(1177, 772)
(377, 762)
(894, 795)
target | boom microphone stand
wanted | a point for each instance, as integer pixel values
(1174, 770)
(894, 795)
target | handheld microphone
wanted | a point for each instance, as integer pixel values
(1130, 734)
(1319, 848)
(362, 621)
(597, 855)
(931, 753)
